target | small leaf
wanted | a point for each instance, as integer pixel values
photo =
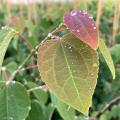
(6, 34)
(41, 95)
(82, 26)
(106, 54)
(36, 112)
(14, 101)
(69, 67)
(65, 111)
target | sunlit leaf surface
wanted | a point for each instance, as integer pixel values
(69, 67)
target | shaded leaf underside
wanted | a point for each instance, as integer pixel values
(69, 68)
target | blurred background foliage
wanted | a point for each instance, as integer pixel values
(35, 21)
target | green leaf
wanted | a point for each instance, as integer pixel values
(49, 112)
(65, 111)
(36, 112)
(40, 112)
(106, 54)
(41, 95)
(115, 52)
(6, 34)
(14, 101)
(69, 67)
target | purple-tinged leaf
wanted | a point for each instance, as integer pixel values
(82, 26)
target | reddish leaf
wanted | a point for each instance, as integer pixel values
(83, 26)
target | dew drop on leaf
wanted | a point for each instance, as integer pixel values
(82, 25)
(94, 65)
(73, 13)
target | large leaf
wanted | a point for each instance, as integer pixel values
(6, 34)
(82, 26)
(14, 101)
(106, 54)
(64, 110)
(69, 67)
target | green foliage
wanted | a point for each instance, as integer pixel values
(78, 65)
(6, 34)
(106, 54)
(43, 107)
(114, 113)
(14, 101)
(65, 111)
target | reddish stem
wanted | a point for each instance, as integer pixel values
(26, 40)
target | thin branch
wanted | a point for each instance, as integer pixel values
(43, 87)
(21, 65)
(28, 68)
(25, 39)
(33, 50)
(4, 71)
(108, 106)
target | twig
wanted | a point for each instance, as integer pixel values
(19, 68)
(25, 39)
(33, 50)
(44, 87)
(4, 71)
(108, 106)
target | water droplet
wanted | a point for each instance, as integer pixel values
(67, 28)
(70, 47)
(65, 46)
(29, 108)
(94, 28)
(92, 74)
(78, 30)
(95, 65)
(49, 34)
(71, 50)
(73, 13)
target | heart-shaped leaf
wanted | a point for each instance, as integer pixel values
(82, 26)
(69, 67)
(14, 101)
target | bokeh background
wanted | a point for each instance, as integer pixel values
(35, 19)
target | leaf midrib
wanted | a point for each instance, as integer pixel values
(71, 74)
